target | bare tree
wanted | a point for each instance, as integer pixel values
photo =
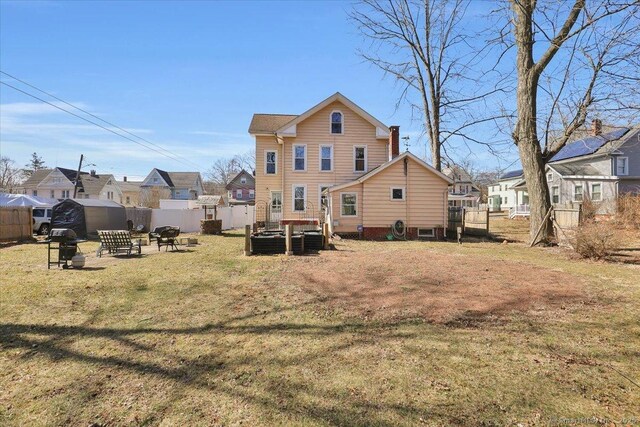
(422, 44)
(224, 170)
(586, 64)
(247, 161)
(10, 175)
(150, 196)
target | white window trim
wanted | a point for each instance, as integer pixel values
(432, 232)
(558, 187)
(404, 194)
(574, 192)
(348, 216)
(293, 197)
(265, 161)
(239, 192)
(271, 199)
(320, 194)
(331, 123)
(626, 166)
(293, 157)
(366, 162)
(550, 177)
(320, 158)
(591, 191)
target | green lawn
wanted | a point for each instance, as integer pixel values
(210, 337)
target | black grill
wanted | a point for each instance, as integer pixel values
(62, 235)
(67, 241)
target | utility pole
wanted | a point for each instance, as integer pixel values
(75, 186)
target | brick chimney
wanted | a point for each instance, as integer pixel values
(596, 127)
(394, 142)
(124, 179)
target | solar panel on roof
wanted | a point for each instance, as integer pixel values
(511, 174)
(585, 146)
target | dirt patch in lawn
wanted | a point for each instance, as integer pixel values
(438, 287)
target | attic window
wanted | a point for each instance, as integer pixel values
(336, 122)
(155, 179)
(243, 180)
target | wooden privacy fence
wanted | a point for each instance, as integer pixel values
(565, 222)
(16, 223)
(476, 222)
(140, 216)
(472, 221)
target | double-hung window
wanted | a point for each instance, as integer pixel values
(65, 194)
(622, 166)
(299, 197)
(577, 193)
(555, 194)
(326, 158)
(270, 162)
(300, 158)
(596, 192)
(348, 204)
(238, 194)
(360, 159)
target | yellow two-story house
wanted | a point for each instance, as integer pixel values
(338, 162)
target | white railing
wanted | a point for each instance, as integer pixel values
(519, 210)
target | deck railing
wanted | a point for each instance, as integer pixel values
(519, 210)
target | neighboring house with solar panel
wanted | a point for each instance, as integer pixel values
(502, 197)
(599, 167)
(173, 185)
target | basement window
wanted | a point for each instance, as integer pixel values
(426, 232)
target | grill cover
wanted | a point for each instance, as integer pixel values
(62, 235)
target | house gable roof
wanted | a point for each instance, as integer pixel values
(590, 145)
(93, 184)
(511, 174)
(382, 131)
(37, 177)
(284, 124)
(251, 181)
(384, 166)
(269, 123)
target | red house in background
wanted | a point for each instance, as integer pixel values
(242, 189)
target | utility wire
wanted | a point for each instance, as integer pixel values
(171, 155)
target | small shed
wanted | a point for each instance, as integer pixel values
(86, 216)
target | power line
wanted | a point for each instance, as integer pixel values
(171, 155)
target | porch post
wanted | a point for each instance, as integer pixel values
(287, 231)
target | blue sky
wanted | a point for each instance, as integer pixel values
(185, 75)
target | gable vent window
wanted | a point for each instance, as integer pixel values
(336, 122)
(397, 193)
(243, 180)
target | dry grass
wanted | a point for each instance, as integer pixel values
(209, 337)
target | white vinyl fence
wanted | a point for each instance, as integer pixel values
(189, 219)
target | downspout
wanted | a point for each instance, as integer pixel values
(281, 173)
(406, 196)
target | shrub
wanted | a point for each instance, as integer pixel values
(628, 213)
(589, 209)
(596, 240)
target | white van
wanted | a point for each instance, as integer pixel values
(41, 220)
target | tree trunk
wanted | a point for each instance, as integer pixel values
(525, 133)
